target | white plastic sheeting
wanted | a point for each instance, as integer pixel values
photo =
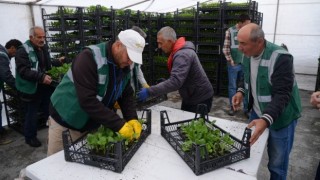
(142, 5)
(297, 23)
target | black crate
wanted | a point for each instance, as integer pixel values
(15, 111)
(151, 101)
(115, 159)
(171, 132)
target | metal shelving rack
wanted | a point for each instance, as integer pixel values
(205, 26)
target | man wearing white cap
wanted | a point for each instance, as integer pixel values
(99, 76)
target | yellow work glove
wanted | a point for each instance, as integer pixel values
(136, 127)
(116, 105)
(146, 85)
(127, 131)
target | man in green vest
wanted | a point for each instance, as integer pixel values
(272, 93)
(98, 77)
(33, 84)
(6, 53)
(234, 59)
(315, 101)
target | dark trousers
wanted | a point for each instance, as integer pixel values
(39, 104)
(318, 173)
(193, 108)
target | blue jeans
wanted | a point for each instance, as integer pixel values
(279, 147)
(234, 74)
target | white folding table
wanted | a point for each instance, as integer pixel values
(155, 159)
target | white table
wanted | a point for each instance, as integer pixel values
(155, 159)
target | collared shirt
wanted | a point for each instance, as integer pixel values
(226, 47)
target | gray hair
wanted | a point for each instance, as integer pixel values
(32, 30)
(140, 31)
(256, 33)
(168, 33)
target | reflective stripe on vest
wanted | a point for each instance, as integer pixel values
(29, 49)
(271, 62)
(264, 99)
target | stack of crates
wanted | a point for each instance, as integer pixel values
(184, 24)
(63, 31)
(15, 110)
(205, 26)
(99, 25)
(230, 14)
(208, 39)
(147, 22)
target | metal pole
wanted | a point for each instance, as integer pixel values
(276, 22)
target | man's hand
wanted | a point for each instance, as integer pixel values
(232, 63)
(260, 126)
(62, 59)
(143, 94)
(315, 99)
(145, 85)
(47, 79)
(137, 128)
(236, 101)
(116, 105)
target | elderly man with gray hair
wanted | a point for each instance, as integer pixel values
(33, 84)
(186, 73)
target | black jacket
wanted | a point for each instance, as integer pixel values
(5, 72)
(84, 69)
(23, 67)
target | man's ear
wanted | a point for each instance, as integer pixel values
(118, 44)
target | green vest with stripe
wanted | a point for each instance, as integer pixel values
(264, 87)
(22, 85)
(65, 100)
(5, 55)
(237, 56)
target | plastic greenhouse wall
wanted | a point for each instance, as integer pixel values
(297, 26)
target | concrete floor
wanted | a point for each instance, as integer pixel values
(304, 157)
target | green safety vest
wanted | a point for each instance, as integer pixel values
(264, 87)
(65, 100)
(25, 86)
(135, 80)
(237, 56)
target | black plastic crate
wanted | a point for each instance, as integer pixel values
(202, 164)
(15, 111)
(115, 159)
(151, 101)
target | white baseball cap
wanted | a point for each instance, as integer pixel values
(134, 43)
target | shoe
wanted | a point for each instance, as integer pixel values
(4, 140)
(231, 112)
(3, 131)
(34, 142)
